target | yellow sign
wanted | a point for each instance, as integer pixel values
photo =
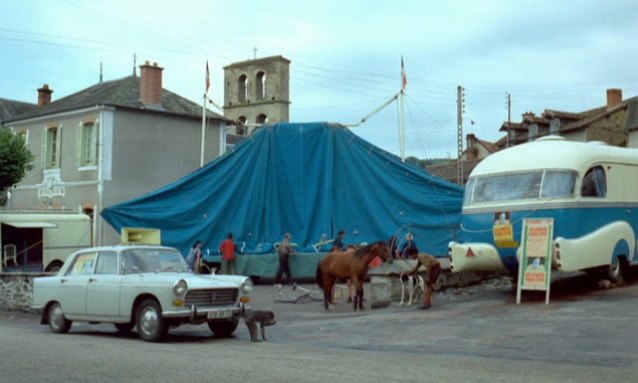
(504, 234)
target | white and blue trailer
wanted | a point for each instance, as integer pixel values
(589, 189)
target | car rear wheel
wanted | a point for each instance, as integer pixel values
(57, 321)
(223, 327)
(124, 328)
(151, 326)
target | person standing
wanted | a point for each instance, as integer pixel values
(284, 250)
(338, 243)
(433, 269)
(194, 256)
(228, 249)
(409, 244)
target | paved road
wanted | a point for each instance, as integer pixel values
(586, 334)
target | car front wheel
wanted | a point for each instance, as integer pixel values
(57, 321)
(223, 327)
(151, 326)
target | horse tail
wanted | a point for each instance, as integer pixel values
(319, 275)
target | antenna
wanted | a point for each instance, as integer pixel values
(101, 70)
(255, 53)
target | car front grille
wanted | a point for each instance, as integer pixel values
(211, 297)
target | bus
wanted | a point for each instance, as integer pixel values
(588, 188)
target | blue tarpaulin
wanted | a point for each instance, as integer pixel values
(309, 179)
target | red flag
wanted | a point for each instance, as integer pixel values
(404, 77)
(207, 77)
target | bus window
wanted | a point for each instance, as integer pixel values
(594, 183)
(558, 183)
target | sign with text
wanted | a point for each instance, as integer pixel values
(535, 263)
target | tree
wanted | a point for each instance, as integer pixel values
(15, 159)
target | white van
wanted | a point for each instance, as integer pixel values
(38, 241)
(589, 189)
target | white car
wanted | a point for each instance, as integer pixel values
(150, 287)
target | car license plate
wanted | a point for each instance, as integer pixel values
(220, 314)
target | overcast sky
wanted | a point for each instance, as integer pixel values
(345, 55)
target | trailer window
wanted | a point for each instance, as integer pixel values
(506, 187)
(558, 184)
(594, 183)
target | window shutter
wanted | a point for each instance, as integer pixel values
(57, 149)
(78, 145)
(43, 161)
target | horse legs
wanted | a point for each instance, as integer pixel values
(358, 296)
(328, 285)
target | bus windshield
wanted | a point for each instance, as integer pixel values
(520, 186)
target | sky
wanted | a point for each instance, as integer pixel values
(345, 56)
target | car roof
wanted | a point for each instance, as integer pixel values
(122, 247)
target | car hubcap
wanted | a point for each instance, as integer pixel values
(57, 316)
(149, 321)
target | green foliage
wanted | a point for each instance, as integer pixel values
(15, 159)
(423, 163)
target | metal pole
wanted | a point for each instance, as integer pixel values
(201, 158)
(509, 118)
(401, 126)
(459, 117)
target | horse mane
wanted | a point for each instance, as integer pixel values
(363, 250)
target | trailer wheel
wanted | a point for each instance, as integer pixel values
(54, 267)
(617, 269)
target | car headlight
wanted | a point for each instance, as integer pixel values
(180, 287)
(247, 286)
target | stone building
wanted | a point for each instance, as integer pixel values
(257, 92)
(614, 123)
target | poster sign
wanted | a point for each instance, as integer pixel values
(535, 263)
(503, 230)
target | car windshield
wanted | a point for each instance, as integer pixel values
(520, 186)
(152, 260)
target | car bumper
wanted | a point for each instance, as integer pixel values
(209, 312)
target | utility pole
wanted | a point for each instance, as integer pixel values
(460, 108)
(509, 118)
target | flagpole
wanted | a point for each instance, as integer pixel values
(401, 126)
(404, 82)
(203, 138)
(201, 158)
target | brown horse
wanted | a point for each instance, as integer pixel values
(350, 264)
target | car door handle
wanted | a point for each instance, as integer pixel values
(62, 280)
(92, 280)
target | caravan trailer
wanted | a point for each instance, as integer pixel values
(588, 189)
(41, 240)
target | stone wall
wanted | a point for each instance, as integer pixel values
(386, 288)
(16, 290)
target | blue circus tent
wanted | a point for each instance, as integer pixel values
(309, 179)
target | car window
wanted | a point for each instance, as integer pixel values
(82, 264)
(144, 260)
(106, 263)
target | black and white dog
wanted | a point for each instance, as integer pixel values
(412, 287)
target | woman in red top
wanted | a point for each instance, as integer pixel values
(228, 249)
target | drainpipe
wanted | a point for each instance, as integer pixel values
(100, 181)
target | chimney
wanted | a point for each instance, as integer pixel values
(614, 97)
(44, 95)
(151, 84)
(472, 152)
